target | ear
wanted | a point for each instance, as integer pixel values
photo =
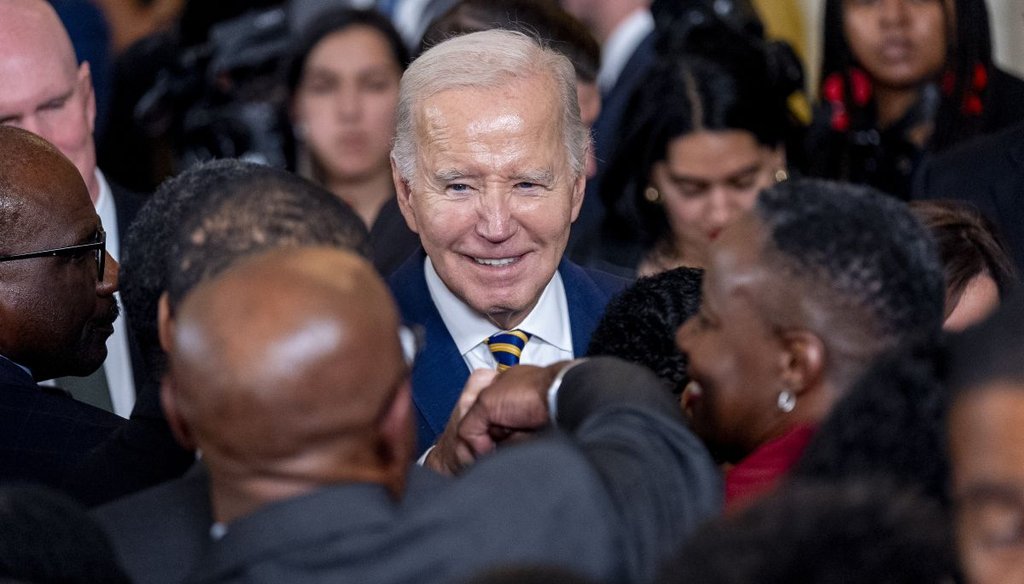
(579, 188)
(803, 360)
(404, 193)
(165, 322)
(85, 85)
(169, 402)
(398, 438)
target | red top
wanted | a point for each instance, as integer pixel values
(756, 474)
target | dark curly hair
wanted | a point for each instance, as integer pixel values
(891, 425)
(821, 533)
(640, 324)
(861, 258)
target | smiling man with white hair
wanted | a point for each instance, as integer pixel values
(488, 165)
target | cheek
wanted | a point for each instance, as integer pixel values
(685, 216)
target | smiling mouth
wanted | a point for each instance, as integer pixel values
(497, 262)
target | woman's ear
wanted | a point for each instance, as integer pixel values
(803, 360)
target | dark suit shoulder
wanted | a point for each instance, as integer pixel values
(44, 435)
(158, 533)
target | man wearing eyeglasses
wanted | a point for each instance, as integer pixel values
(57, 310)
(43, 89)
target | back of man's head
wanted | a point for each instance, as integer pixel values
(153, 243)
(287, 372)
(264, 209)
(863, 271)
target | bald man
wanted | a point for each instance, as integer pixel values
(44, 90)
(288, 374)
(56, 310)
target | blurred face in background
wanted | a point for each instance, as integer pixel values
(986, 442)
(344, 106)
(899, 43)
(707, 180)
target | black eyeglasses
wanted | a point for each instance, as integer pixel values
(99, 247)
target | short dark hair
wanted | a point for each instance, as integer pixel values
(265, 208)
(147, 249)
(891, 425)
(862, 258)
(968, 245)
(331, 21)
(47, 537)
(640, 324)
(540, 19)
(816, 532)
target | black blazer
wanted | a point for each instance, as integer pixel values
(987, 173)
(44, 433)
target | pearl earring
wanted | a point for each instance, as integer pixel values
(787, 401)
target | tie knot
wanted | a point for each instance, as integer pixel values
(507, 347)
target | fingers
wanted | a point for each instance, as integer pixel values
(478, 380)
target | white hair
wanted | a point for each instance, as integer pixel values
(486, 60)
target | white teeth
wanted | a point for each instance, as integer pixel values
(495, 262)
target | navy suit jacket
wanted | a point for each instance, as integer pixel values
(440, 372)
(608, 132)
(988, 173)
(44, 433)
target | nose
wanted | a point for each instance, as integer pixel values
(108, 285)
(721, 208)
(893, 12)
(494, 217)
(348, 102)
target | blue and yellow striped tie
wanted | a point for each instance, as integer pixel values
(507, 347)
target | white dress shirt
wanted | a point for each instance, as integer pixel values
(548, 322)
(621, 45)
(118, 365)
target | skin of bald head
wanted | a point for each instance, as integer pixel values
(288, 374)
(55, 312)
(42, 87)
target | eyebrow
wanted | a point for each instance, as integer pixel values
(535, 176)
(448, 174)
(685, 178)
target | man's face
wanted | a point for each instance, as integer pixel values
(493, 195)
(734, 354)
(56, 315)
(986, 440)
(43, 92)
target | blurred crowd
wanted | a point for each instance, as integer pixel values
(509, 291)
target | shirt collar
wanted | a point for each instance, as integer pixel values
(620, 46)
(107, 211)
(469, 328)
(19, 366)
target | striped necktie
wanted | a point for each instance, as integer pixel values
(507, 347)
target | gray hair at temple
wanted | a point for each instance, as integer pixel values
(486, 60)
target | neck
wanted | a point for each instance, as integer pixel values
(93, 184)
(615, 13)
(366, 196)
(893, 104)
(238, 492)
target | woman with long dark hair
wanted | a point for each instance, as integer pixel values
(901, 78)
(343, 85)
(711, 132)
